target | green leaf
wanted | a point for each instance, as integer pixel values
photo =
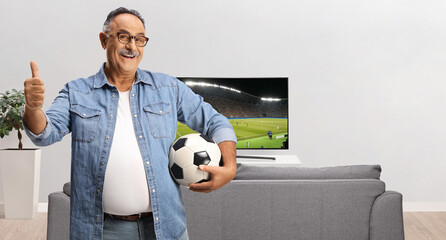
(12, 105)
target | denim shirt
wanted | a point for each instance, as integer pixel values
(87, 108)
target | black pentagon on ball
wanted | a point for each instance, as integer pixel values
(201, 158)
(179, 143)
(208, 139)
(176, 171)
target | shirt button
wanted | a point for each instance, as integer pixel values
(102, 163)
(111, 116)
(107, 137)
(99, 190)
(161, 112)
(97, 218)
(147, 162)
(156, 219)
(113, 95)
(153, 190)
(133, 94)
(140, 136)
(83, 114)
(135, 115)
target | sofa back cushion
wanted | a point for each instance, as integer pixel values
(246, 172)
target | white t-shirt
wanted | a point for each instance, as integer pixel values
(125, 186)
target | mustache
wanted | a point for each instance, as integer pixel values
(127, 52)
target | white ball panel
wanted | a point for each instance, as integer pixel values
(184, 157)
(182, 182)
(193, 174)
(214, 163)
(213, 151)
(171, 157)
(205, 175)
(196, 143)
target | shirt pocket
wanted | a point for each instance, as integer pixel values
(84, 123)
(159, 118)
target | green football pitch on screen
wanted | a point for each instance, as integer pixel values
(253, 132)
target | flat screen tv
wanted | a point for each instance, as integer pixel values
(257, 108)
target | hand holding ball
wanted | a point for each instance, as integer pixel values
(187, 153)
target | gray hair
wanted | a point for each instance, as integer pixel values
(106, 27)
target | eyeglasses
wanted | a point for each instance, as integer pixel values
(125, 38)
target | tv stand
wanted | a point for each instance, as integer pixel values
(254, 157)
(270, 160)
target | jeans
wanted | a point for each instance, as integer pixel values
(116, 229)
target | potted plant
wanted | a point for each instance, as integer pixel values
(12, 105)
(20, 168)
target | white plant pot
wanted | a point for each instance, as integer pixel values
(20, 178)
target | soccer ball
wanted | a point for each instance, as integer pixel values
(187, 153)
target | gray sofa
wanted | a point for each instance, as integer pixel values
(333, 203)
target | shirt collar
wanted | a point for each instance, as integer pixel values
(100, 79)
(144, 77)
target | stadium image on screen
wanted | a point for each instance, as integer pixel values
(257, 108)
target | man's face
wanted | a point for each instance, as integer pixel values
(122, 58)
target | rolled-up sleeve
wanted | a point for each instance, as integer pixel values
(224, 134)
(36, 138)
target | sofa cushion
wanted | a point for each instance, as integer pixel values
(246, 172)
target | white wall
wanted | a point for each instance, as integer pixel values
(366, 77)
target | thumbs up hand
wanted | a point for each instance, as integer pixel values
(34, 89)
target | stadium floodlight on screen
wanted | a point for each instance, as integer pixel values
(257, 108)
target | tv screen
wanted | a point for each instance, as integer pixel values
(257, 108)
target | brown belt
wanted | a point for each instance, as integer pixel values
(132, 218)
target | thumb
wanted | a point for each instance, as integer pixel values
(34, 69)
(207, 168)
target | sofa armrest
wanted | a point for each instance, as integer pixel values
(58, 227)
(386, 220)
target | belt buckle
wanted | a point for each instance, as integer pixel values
(139, 216)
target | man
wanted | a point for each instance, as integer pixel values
(122, 122)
